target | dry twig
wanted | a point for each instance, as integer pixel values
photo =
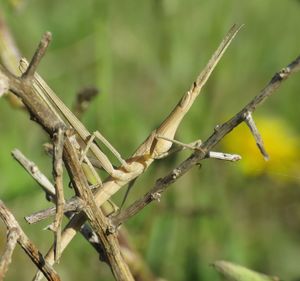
(35, 173)
(258, 139)
(12, 239)
(220, 131)
(60, 199)
(50, 121)
(76, 204)
(49, 189)
(97, 220)
(30, 249)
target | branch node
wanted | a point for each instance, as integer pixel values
(175, 174)
(111, 229)
(216, 128)
(282, 74)
(155, 196)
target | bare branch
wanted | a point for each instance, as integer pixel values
(35, 172)
(275, 82)
(258, 139)
(49, 189)
(220, 131)
(60, 200)
(38, 107)
(75, 204)
(38, 55)
(30, 249)
(97, 220)
(12, 239)
(273, 85)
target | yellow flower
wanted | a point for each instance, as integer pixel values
(280, 142)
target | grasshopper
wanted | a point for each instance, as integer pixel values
(54, 101)
(158, 142)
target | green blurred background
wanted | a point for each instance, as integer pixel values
(143, 55)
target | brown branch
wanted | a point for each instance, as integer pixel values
(73, 205)
(220, 131)
(28, 246)
(60, 200)
(97, 219)
(37, 106)
(38, 55)
(49, 189)
(136, 263)
(34, 171)
(12, 239)
(23, 87)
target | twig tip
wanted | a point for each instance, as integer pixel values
(47, 36)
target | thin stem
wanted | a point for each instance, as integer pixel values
(38, 55)
(257, 136)
(12, 239)
(60, 200)
(30, 249)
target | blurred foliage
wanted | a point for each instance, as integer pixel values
(143, 55)
(234, 272)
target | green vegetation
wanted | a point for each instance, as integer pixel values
(143, 55)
